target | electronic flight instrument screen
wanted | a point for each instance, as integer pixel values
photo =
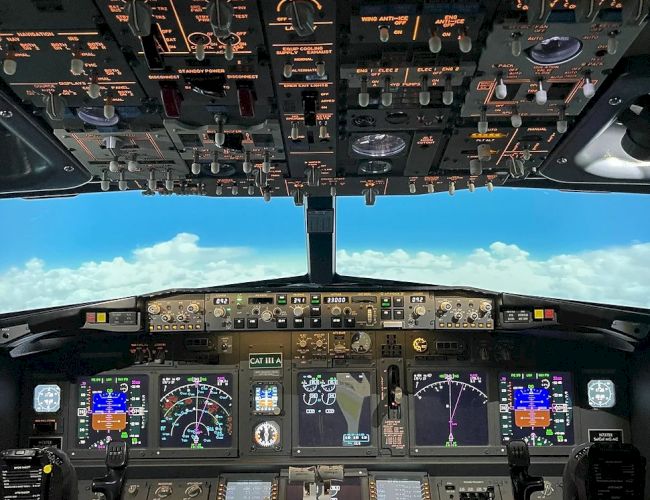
(398, 489)
(196, 411)
(450, 409)
(248, 490)
(334, 409)
(110, 408)
(536, 407)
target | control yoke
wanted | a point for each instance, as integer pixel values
(523, 484)
(117, 457)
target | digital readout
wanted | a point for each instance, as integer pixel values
(298, 300)
(418, 299)
(221, 301)
(336, 300)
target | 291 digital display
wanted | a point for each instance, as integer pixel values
(112, 408)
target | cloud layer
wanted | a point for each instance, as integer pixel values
(618, 275)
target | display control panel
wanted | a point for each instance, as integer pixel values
(318, 311)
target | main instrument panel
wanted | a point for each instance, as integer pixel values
(394, 384)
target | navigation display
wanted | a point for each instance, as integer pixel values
(450, 409)
(196, 411)
(536, 407)
(348, 489)
(334, 409)
(248, 490)
(398, 489)
(112, 408)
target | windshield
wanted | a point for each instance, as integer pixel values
(109, 245)
(581, 246)
(592, 247)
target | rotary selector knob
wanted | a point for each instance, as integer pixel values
(133, 489)
(485, 307)
(319, 343)
(220, 312)
(194, 490)
(302, 343)
(298, 312)
(181, 317)
(445, 306)
(472, 316)
(301, 14)
(266, 315)
(458, 315)
(336, 311)
(220, 13)
(153, 309)
(419, 311)
(193, 308)
(164, 491)
(167, 318)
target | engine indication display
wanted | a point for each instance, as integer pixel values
(450, 409)
(267, 399)
(196, 411)
(110, 408)
(334, 409)
(536, 407)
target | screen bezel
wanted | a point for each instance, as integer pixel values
(412, 416)
(572, 388)
(334, 451)
(215, 452)
(73, 396)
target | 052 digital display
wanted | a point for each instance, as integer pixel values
(112, 408)
(196, 411)
(536, 407)
(334, 409)
(450, 409)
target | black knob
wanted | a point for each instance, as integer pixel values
(301, 14)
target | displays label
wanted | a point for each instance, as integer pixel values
(605, 435)
(265, 360)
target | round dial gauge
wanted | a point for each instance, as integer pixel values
(602, 393)
(420, 344)
(361, 342)
(47, 398)
(267, 434)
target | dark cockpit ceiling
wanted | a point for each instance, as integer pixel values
(320, 97)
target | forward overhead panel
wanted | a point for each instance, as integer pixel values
(295, 97)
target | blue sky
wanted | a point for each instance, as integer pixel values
(582, 246)
(92, 227)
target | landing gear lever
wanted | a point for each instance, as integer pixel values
(395, 393)
(523, 485)
(117, 457)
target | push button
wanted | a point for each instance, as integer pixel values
(336, 322)
(314, 311)
(350, 322)
(385, 314)
(315, 322)
(298, 322)
(252, 323)
(398, 301)
(281, 322)
(240, 323)
(398, 314)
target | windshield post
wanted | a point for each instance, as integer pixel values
(321, 241)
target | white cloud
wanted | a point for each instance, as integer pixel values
(619, 275)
